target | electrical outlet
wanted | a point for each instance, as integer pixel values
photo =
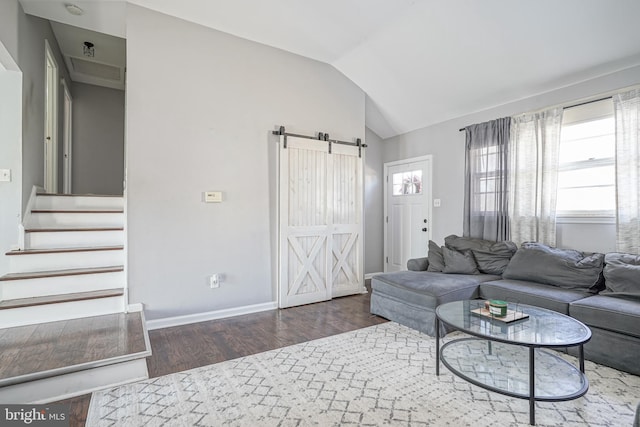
(436, 203)
(214, 281)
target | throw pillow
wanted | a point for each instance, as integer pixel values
(564, 268)
(622, 275)
(436, 260)
(459, 262)
(491, 257)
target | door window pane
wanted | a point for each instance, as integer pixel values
(405, 183)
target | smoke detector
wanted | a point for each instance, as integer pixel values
(73, 9)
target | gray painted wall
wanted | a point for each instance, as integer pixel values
(32, 32)
(373, 202)
(10, 131)
(199, 110)
(446, 144)
(10, 158)
(98, 139)
(9, 10)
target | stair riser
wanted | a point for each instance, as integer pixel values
(61, 220)
(78, 202)
(64, 261)
(73, 239)
(73, 384)
(61, 311)
(28, 288)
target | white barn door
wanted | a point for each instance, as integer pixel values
(321, 245)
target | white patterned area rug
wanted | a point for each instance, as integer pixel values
(382, 375)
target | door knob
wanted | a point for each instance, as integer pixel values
(424, 229)
(425, 220)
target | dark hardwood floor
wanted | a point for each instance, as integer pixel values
(199, 344)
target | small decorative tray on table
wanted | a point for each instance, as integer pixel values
(511, 315)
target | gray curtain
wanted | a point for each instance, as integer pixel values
(486, 213)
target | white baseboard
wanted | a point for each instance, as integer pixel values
(168, 322)
(370, 275)
(135, 307)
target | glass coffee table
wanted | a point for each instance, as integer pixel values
(507, 355)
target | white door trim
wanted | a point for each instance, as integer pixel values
(50, 136)
(67, 138)
(385, 182)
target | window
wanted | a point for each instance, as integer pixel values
(586, 175)
(488, 174)
(407, 183)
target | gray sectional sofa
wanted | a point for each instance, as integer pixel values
(602, 291)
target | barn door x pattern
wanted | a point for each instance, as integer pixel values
(321, 242)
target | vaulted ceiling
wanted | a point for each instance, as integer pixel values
(420, 62)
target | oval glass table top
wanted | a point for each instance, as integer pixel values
(542, 327)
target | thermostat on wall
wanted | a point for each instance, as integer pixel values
(213, 196)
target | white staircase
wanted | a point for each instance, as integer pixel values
(71, 266)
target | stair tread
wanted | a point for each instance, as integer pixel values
(54, 299)
(42, 350)
(77, 211)
(61, 229)
(79, 195)
(59, 273)
(64, 250)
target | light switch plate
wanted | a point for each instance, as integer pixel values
(213, 196)
(436, 203)
(5, 175)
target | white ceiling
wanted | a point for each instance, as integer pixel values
(419, 61)
(105, 68)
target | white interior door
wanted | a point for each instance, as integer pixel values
(408, 211)
(347, 260)
(50, 122)
(67, 144)
(320, 248)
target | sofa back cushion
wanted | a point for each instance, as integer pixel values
(491, 257)
(622, 275)
(458, 262)
(564, 268)
(435, 257)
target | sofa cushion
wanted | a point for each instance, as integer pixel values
(491, 257)
(564, 268)
(429, 289)
(435, 256)
(418, 264)
(531, 293)
(613, 314)
(622, 275)
(459, 262)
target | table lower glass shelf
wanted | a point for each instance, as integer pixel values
(504, 368)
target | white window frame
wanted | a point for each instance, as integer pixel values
(586, 216)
